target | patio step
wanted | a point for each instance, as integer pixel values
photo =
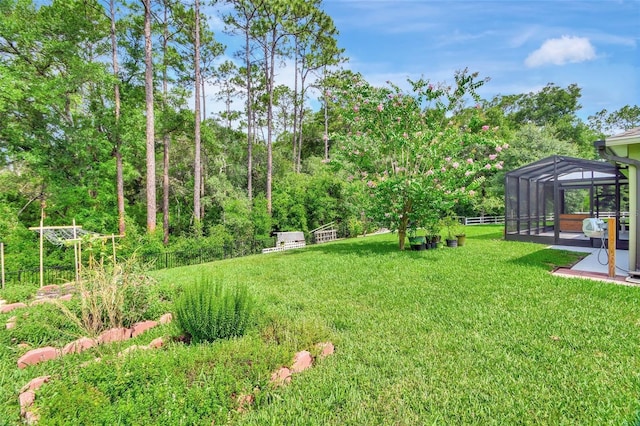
(634, 277)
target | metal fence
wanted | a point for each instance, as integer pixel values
(154, 261)
(52, 275)
(174, 259)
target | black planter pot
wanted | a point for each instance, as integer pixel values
(417, 243)
(452, 243)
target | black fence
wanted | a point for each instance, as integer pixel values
(52, 275)
(174, 259)
(153, 261)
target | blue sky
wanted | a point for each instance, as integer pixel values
(520, 45)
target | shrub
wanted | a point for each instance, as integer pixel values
(207, 311)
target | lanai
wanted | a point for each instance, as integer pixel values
(547, 200)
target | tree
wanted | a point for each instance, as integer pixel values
(197, 165)
(246, 14)
(117, 143)
(532, 143)
(228, 90)
(172, 24)
(605, 123)
(415, 160)
(271, 31)
(315, 48)
(51, 104)
(150, 128)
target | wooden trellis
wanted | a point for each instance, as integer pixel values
(66, 235)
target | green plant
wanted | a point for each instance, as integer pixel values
(111, 295)
(414, 157)
(356, 227)
(43, 325)
(433, 227)
(417, 239)
(452, 227)
(207, 311)
(18, 292)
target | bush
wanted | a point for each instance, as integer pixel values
(206, 311)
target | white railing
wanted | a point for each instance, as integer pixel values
(284, 246)
(486, 220)
(324, 233)
(483, 220)
(623, 215)
(325, 236)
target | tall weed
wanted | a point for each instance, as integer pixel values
(111, 295)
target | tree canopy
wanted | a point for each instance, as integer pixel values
(78, 141)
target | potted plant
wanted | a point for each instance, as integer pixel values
(452, 226)
(433, 235)
(415, 241)
(461, 236)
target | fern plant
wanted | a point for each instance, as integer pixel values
(208, 311)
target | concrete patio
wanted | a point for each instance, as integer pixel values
(595, 264)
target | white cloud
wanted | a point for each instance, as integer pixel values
(559, 51)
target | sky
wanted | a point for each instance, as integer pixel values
(520, 45)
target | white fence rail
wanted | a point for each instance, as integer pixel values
(325, 236)
(284, 246)
(483, 220)
(486, 220)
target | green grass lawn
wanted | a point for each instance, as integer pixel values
(480, 334)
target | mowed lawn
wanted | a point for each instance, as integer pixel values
(480, 334)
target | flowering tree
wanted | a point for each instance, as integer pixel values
(411, 150)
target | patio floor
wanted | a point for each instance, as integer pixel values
(595, 264)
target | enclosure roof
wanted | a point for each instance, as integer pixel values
(568, 170)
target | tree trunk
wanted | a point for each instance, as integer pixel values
(150, 130)
(299, 158)
(120, 192)
(270, 57)
(197, 164)
(166, 140)
(402, 231)
(326, 120)
(404, 222)
(249, 122)
(118, 142)
(295, 108)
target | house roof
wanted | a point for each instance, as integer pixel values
(628, 137)
(568, 171)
